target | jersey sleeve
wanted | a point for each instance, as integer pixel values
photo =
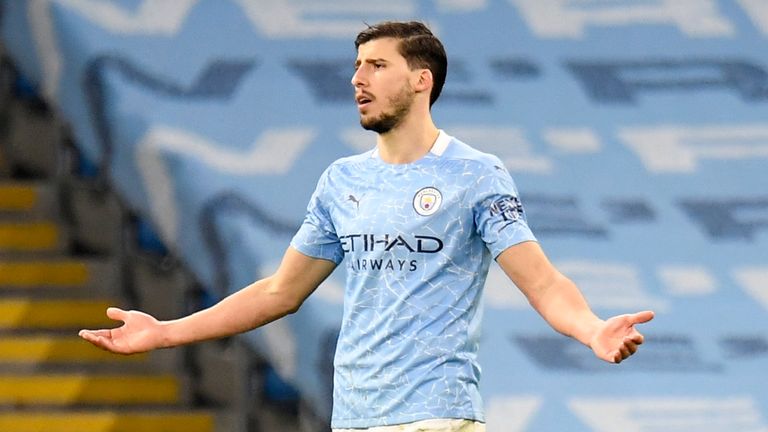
(317, 236)
(498, 212)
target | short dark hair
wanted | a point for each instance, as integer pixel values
(417, 44)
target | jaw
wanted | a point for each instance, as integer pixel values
(364, 109)
(382, 118)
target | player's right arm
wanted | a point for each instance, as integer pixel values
(253, 306)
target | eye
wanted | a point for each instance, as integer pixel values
(378, 65)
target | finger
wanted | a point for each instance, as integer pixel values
(630, 345)
(635, 338)
(641, 317)
(98, 333)
(116, 314)
(100, 341)
(89, 336)
(624, 352)
(85, 334)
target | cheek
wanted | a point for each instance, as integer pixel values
(389, 79)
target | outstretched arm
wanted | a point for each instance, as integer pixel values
(253, 306)
(557, 299)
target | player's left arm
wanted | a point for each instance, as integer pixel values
(559, 301)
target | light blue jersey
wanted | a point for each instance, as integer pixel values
(417, 240)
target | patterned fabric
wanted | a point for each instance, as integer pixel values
(435, 425)
(417, 240)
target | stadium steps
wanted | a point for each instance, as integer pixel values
(50, 379)
(59, 349)
(77, 389)
(26, 197)
(105, 421)
(19, 313)
(30, 236)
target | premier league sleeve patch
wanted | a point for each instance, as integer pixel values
(509, 207)
(427, 201)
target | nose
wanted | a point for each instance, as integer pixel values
(357, 78)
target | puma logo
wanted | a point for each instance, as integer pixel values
(354, 200)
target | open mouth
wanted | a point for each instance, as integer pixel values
(363, 100)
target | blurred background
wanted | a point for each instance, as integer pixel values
(159, 155)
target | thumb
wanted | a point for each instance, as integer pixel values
(116, 314)
(641, 317)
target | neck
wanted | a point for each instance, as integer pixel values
(409, 141)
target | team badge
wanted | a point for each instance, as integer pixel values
(427, 201)
(509, 207)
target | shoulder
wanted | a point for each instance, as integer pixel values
(459, 151)
(349, 161)
(485, 173)
(345, 166)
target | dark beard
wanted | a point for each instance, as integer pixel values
(401, 106)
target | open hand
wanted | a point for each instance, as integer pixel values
(618, 339)
(140, 332)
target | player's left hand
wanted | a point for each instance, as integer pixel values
(617, 338)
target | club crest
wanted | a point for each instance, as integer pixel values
(427, 201)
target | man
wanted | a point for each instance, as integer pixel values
(418, 220)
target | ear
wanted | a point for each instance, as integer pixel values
(424, 81)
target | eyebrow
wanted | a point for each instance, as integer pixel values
(373, 60)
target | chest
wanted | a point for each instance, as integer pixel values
(403, 208)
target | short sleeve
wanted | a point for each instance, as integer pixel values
(498, 212)
(317, 236)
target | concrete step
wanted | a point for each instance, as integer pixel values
(57, 349)
(89, 390)
(58, 314)
(30, 237)
(34, 141)
(96, 218)
(5, 169)
(15, 197)
(38, 273)
(93, 216)
(28, 198)
(73, 277)
(44, 351)
(108, 421)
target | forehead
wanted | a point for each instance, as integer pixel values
(383, 48)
